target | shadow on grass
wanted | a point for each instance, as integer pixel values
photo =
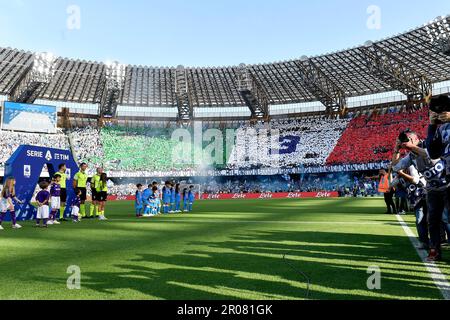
(251, 267)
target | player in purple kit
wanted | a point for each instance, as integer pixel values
(7, 196)
(42, 199)
(76, 204)
(55, 194)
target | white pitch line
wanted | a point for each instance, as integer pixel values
(439, 279)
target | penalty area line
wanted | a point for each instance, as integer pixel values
(439, 279)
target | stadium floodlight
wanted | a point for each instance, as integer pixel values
(115, 74)
(43, 66)
(438, 31)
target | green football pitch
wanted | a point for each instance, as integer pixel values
(224, 250)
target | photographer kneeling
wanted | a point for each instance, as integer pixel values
(438, 146)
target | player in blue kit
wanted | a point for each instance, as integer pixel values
(146, 195)
(172, 198)
(158, 200)
(191, 198)
(151, 202)
(177, 198)
(154, 200)
(185, 200)
(166, 195)
(138, 201)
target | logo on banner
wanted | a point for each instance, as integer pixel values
(323, 195)
(27, 171)
(239, 196)
(48, 156)
(266, 195)
(294, 195)
(68, 173)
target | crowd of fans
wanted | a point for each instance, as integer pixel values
(310, 142)
(370, 139)
(128, 189)
(306, 142)
(87, 146)
(346, 184)
(10, 141)
(248, 185)
(126, 150)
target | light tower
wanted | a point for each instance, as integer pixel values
(39, 74)
(253, 94)
(183, 101)
(115, 73)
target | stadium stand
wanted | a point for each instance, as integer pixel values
(10, 141)
(124, 149)
(348, 184)
(87, 146)
(370, 139)
(308, 142)
(137, 149)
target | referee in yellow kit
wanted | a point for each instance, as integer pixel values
(95, 181)
(62, 173)
(80, 182)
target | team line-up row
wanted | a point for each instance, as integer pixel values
(52, 198)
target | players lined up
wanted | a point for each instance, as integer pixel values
(152, 201)
(51, 200)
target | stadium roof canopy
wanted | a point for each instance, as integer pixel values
(285, 82)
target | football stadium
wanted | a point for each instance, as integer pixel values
(322, 177)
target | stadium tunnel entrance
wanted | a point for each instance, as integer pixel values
(26, 164)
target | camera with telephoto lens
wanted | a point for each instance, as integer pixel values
(440, 104)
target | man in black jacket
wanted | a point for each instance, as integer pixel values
(438, 146)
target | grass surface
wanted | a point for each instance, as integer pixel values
(224, 250)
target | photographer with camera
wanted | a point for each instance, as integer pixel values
(438, 146)
(427, 181)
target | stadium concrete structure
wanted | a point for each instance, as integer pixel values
(398, 72)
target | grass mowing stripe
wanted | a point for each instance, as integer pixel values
(439, 279)
(194, 220)
(129, 258)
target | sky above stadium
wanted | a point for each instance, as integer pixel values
(205, 32)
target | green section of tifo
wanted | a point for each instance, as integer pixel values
(148, 149)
